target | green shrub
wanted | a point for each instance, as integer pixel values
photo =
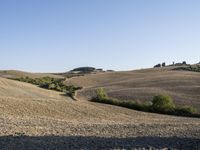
(52, 86)
(185, 110)
(101, 94)
(135, 105)
(162, 104)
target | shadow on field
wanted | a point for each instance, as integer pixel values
(80, 142)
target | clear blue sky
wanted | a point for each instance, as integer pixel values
(58, 35)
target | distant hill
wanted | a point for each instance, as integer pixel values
(35, 118)
(180, 82)
(81, 71)
(18, 74)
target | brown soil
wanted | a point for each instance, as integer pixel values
(34, 118)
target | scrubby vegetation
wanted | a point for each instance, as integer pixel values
(194, 68)
(81, 71)
(160, 104)
(101, 94)
(51, 84)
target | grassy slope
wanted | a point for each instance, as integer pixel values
(183, 86)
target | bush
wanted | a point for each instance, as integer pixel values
(185, 110)
(136, 105)
(101, 94)
(162, 104)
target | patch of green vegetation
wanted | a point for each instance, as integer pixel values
(84, 69)
(194, 68)
(127, 104)
(101, 94)
(51, 84)
(185, 110)
(162, 104)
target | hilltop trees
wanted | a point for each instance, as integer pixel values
(157, 66)
(160, 65)
(184, 63)
(84, 69)
(163, 64)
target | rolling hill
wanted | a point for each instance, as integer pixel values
(18, 74)
(142, 85)
(35, 118)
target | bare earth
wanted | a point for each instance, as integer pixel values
(34, 118)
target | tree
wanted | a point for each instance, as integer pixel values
(184, 63)
(163, 64)
(158, 65)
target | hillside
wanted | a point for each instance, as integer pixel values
(142, 85)
(46, 117)
(18, 74)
